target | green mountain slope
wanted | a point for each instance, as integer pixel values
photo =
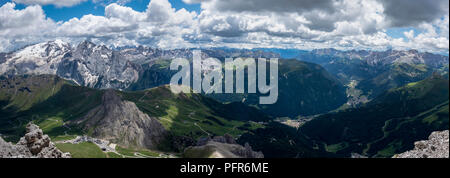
(61, 109)
(378, 71)
(47, 100)
(277, 140)
(195, 114)
(304, 88)
(395, 76)
(387, 125)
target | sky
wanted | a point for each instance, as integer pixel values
(301, 24)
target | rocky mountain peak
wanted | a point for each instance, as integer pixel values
(385, 57)
(46, 49)
(33, 145)
(437, 146)
(108, 122)
(86, 45)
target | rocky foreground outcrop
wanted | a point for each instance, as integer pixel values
(221, 147)
(437, 146)
(33, 145)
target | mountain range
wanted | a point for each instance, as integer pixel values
(371, 103)
(373, 72)
(97, 66)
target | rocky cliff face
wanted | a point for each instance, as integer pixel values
(122, 122)
(33, 145)
(221, 147)
(437, 146)
(97, 66)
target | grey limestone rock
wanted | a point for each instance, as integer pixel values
(435, 147)
(33, 145)
(122, 122)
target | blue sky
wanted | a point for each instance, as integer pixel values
(89, 7)
(300, 24)
(399, 32)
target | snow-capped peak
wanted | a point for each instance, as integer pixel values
(40, 58)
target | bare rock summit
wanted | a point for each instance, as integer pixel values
(435, 147)
(33, 145)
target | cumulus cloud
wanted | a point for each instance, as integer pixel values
(94, 26)
(338, 24)
(58, 3)
(349, 18)
(303, 24)
(159, 10)
(107, 2)
(159, 25)
(431, 39)
(124, 13)
(19, 27)
(269, 5)
(69, 3)
(194, 1)
(402, 13)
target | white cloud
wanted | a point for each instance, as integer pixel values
(20, 27)
(160, 25)
(107, 2)
(95, 26)
(69, 3)
(409, 34)
(346, 24)
(159, 11)
(58, 3)
(194, 1)
(124, 13)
